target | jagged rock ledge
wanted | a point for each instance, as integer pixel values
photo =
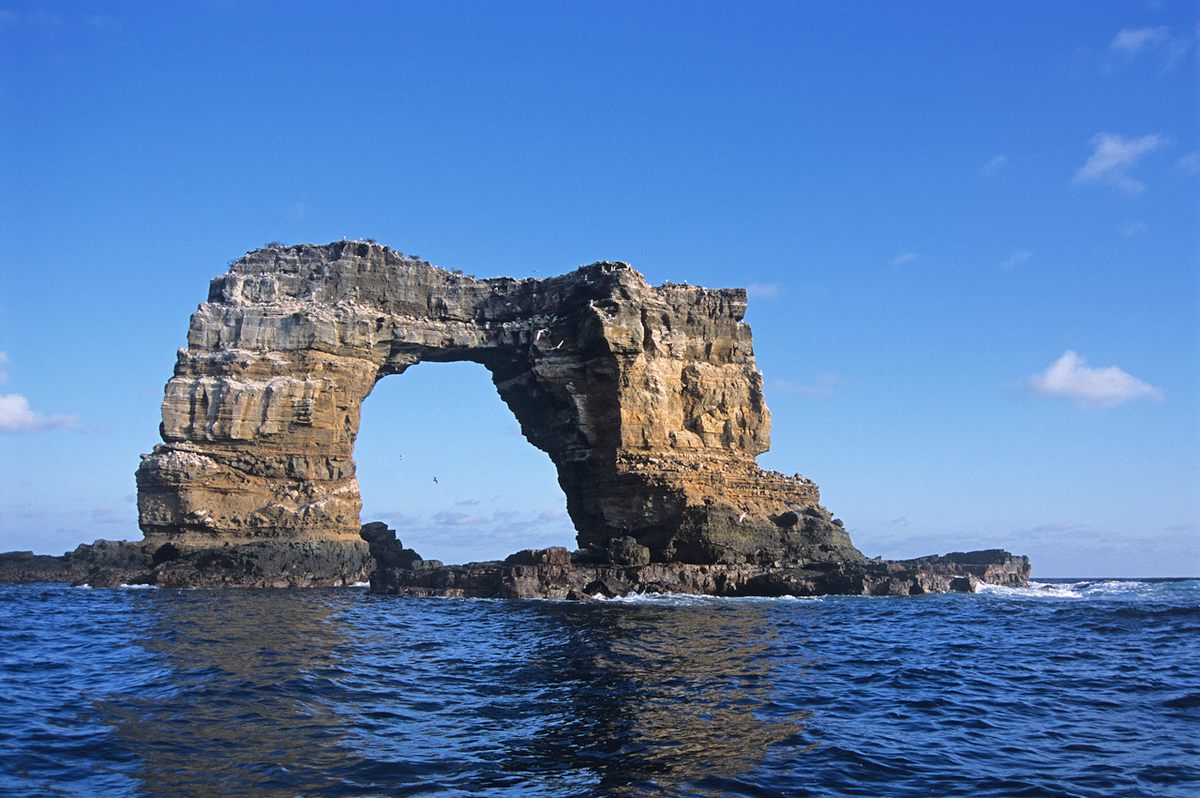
(559, 578)
(111, 563)
(553, 573)
(556, 573)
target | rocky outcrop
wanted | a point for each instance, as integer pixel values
(555, 573)
(646, 398)
(111, 563)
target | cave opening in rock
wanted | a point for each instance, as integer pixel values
(441, 459)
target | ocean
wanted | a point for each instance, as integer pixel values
(1072, 688)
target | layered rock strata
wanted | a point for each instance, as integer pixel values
(646, 399)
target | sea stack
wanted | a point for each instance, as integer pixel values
(646, 398)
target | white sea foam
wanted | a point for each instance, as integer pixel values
(137, 587)
(1115, 589)
(689, 599)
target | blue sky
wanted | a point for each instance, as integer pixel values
(970, 231)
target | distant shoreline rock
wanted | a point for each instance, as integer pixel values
(553, 573)
(107, 563)
(556, 573)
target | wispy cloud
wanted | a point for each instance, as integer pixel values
(16, 416)
(1112, 157)
(1131, 229)
(904, 258)
(107, 515)
(994, 165)
(1156, 43)
(1189, 164)
(1070, 377)
(458, 537)
(449, 518)
(1132, 42)
(823, 386)
(762, 290)
(3, 373)
(1057, 528)
(45, 18)
(1016, 259)
(395, 518)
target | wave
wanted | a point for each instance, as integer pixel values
(1112, 589)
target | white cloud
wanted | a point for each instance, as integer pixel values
(1112, 156)
(1130, 42)
(904, 258)
(1131, 229)
(994, 165)
(1070, 377)
(447, 518)
(762, 290)
(15, 416)
(1189, 164)
(1157, 43)
(1016, 259)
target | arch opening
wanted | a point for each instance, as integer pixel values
(494, 492)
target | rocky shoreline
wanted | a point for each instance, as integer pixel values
(112, 563)
(553, 573)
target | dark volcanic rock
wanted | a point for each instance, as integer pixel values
(25, 566)
(293, 563)
(627, 551)
(105, 563)
(532, 577)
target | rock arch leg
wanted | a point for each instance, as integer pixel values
(256, 447)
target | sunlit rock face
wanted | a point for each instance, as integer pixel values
(647, 400)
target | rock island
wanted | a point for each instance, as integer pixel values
(646, 398)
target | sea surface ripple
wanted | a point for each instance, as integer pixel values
(1085, 688)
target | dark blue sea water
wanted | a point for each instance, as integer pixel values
(1076, 689)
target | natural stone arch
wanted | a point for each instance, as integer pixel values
(647, 400)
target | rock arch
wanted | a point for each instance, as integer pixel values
(647, 400)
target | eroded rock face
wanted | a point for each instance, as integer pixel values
(647, 399)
